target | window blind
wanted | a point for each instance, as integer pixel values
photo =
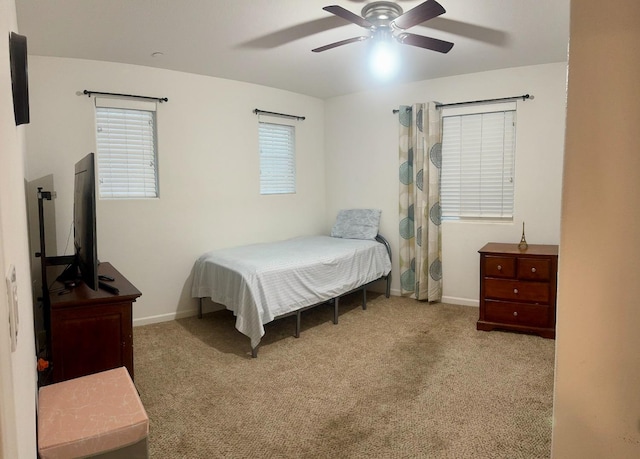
(478, 155)
(126, 147)
(277, 158)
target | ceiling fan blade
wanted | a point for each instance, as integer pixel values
(348, 15)
(423, 12)
(421, 41)
(339, 43)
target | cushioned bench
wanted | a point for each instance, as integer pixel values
(98, 415)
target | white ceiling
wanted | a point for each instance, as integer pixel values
(269, 42)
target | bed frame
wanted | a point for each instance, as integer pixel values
(335, 301)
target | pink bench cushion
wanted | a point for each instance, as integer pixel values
(89, 415)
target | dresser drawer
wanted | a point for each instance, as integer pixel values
(506, 289)
(499, 266)
(534, 268)
(517, 313)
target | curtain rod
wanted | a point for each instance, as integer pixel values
(257, 111)
(484, 101)
(159, 99)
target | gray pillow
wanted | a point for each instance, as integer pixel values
(357, 224)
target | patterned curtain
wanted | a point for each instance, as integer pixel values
(420, 240)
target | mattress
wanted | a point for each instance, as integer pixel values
(260, 282)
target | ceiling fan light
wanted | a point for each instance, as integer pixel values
(384, 60)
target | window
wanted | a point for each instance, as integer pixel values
(277, 158)
(126, 149)
(478, 157)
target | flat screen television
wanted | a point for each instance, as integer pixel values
(19, 77)
(85, 238)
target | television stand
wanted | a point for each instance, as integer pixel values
(92, 330)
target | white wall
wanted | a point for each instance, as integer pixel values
(208, 171)
(17, 369)
(597, 391)
(362, 163)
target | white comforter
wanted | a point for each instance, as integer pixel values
(259, 282)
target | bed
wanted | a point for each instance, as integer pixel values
(267, 281)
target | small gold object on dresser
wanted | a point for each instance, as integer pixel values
(523, 241)
(518, 288)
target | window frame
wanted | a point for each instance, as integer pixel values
(507, 155)
(147, 183)
(288, 176)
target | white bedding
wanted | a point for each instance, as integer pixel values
(259, 282)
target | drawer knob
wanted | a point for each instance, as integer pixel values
(533, 270)
(515, 313)
(515, 290)
(499, 267)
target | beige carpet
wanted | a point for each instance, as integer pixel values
(401, 379)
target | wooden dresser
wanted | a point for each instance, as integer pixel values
(91, 331)
(518, 288)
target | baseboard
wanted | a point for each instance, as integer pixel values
(379, 289)
(165, 317)
(445, 299)
(194, 311)
(460, 301)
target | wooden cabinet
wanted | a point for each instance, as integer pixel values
(518, 288)
(91, 331)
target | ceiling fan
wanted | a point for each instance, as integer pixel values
(386, 19)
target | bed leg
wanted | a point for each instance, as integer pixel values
(364, 298)
(254, 352)
(199, 308)
(335, 310)
(297, 335)
(388, 292)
